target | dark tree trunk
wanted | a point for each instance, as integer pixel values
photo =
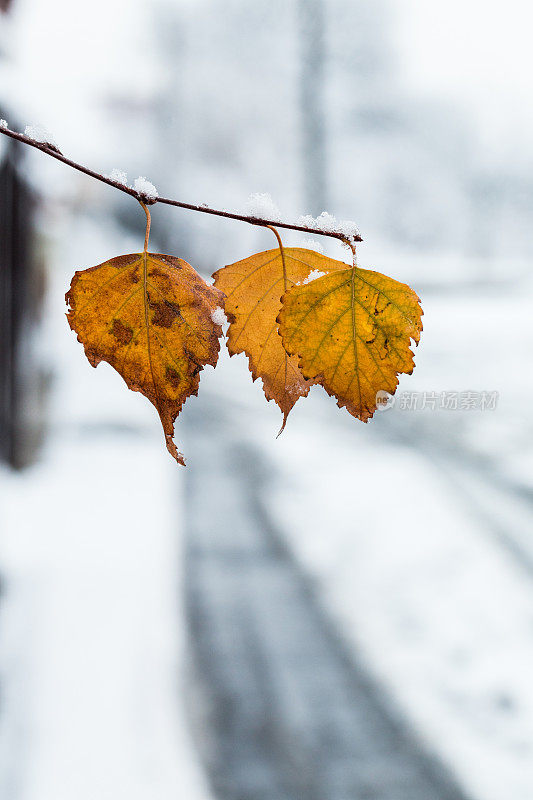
(20, 292)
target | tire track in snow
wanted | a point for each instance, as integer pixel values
(288, 712)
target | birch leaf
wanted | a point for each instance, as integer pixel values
(253, 289)
(351, 331)
(149, 316)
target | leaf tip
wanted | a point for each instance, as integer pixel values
(285, 415)
(173, 450)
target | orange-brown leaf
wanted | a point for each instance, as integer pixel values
(253, 289)
(352, 331)
(149, 316)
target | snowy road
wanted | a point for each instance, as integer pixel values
(292, 713)
(416, 534)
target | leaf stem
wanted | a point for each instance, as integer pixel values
(280, 245)
(285, 287)
(148, 224)
(52, 151)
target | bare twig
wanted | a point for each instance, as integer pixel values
(52, 151)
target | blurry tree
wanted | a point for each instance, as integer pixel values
(311, 18)
(21, 293)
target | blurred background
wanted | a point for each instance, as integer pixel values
(344, 613)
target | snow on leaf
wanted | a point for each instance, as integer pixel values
(351, 331)
(149, 316)
(313, 276)
(218, 316)
(253, 289)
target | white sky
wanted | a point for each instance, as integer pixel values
(477, 51)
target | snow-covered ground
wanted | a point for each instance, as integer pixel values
(441, 611)
(92, 649)
(418, 529)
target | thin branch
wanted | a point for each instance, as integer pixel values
(52, 151)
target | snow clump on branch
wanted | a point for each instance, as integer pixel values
(261, 206)
(118, 176)
(39, 134)
(144, 187)
(329, 224)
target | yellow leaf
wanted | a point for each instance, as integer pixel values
(352, 331)
(253, 289)
(149, 316)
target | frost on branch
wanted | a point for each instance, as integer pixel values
(118, 176)
(3, 124)
(40, 134)
(261, 206)
(329, 224)
(144, 187)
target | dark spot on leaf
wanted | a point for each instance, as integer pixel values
(121, 332)
(161, 278)
(378, 310)
(193, 365)
(173, 377)
(165, 313)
